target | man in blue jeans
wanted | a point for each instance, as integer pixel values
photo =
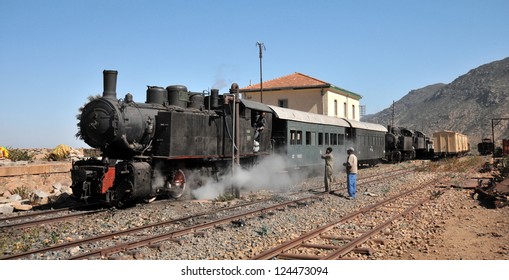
(351, 173)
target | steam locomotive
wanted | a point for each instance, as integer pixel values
(148, 149)
(403, 144)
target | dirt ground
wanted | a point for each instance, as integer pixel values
(469, 232)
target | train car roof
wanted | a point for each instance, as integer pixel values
(295, 115)
(366, 125)
(255, 105)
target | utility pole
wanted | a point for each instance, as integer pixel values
(392, 122)
(261, 47)
(494, 123)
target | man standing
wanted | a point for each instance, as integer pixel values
(329, 166)
(351, 173)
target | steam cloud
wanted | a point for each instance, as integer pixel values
(270, 173)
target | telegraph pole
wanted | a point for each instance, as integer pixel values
(261, 47)
(392, 122)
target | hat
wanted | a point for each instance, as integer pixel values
(351, 149)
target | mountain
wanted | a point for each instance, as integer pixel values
(466, 105)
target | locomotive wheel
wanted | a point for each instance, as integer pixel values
(178, 184)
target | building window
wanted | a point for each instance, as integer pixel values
(335, 108)
(345, 110)
(353, 112)
(283, 103)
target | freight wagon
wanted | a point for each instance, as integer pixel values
(449, 144)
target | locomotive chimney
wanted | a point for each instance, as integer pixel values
(110, 84)
(214, 98)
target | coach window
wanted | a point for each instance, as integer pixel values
(320, 138)
(341, 139)
(292, 137)
(308, 137)
(327, 139)
(295, 137)
(334, 139)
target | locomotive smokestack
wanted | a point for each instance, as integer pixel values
(110, 84)
(214, 98)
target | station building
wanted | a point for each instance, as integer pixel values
(304, 93)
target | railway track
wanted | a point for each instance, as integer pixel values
(339, 238)
(199, 222)
(37, 218)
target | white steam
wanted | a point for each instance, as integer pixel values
(270, 173)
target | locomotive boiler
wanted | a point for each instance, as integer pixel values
(148, 148)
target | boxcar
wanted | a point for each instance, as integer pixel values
(449, 143)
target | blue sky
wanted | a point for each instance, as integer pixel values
(52, 53)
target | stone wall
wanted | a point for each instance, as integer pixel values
(34, 176)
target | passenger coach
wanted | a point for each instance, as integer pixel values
(302, 137)
(368, 140)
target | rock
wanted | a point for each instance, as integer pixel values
(74, 250)
(21, 207)
(57, 188)
(15, 197)
(6, 209)
(39, 197)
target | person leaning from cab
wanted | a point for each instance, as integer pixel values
(351, 173)
(329, 167)
(260, 123)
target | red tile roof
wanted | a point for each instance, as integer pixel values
(295, 80)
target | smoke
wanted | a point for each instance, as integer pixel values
(219, 80)
(158, 178)
(270, 174)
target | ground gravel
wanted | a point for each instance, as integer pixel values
(418, 236)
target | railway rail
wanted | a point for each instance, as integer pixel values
(37, 218)
(338, 238)
(173, 234)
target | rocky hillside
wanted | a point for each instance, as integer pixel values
(467, 105)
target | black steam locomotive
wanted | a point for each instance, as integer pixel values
(403, 144)
(147, 146)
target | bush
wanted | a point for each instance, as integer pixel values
(22, 191)
(18, 155)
